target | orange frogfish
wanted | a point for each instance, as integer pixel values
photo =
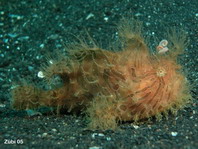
(130, 84)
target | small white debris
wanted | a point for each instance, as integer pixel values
(93, 135)
(196, 14)
(14, 86)
(51, 61)
(2, 12)
(89, 16)
(2, 105)
(54, 130)
(135, 126)
(101, 135)
(12, 35)
(5, 40)
(76, 121)
(106, 19)
(138, 14)
(38, 57)
(44, 134)
(108, 139)
(97, 134)
(18, 17)
(40, 74)
(42, 45)
(148, 23)
(23, 38)
(95, 147)
(174, 134)
(53, 36)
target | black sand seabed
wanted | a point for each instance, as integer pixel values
(30, 29)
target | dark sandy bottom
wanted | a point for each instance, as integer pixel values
(32, 29)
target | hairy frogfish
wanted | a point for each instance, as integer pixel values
(130, 84)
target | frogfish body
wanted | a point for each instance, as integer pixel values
(128, 85)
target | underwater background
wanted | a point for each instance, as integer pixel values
(31, 30)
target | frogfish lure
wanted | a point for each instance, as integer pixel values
(130, 84)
